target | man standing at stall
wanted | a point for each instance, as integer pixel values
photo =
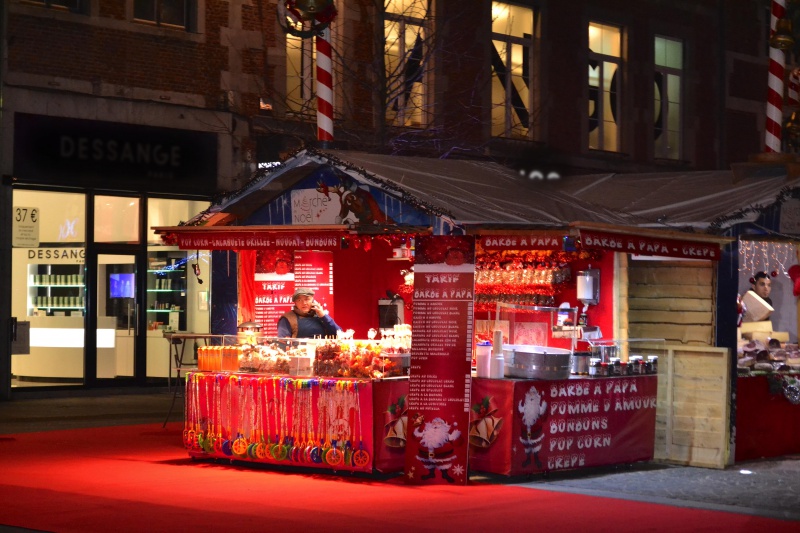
(308, 319)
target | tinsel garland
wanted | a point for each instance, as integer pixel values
(717, 223)
(486, 302)
(522, 259)
(278, 261)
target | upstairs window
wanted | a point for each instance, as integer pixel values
(512, 65)
(300, 75)
(667, 92)
(170, 13)
(405, 61)
(605, 60)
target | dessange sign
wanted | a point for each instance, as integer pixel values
(52, 148)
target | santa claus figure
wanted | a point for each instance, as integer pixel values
(534, 412)
(437, 446)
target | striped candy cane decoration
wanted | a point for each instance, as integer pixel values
(794, 88)
(324, 87)
(777, 69)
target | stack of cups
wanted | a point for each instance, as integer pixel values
(483, 356)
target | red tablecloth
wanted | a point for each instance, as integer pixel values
(767, 425)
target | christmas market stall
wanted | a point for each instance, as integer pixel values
(430, 267)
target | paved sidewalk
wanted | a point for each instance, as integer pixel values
(769, 488)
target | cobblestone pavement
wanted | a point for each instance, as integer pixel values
(768, 488)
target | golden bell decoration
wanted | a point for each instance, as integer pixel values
(311, 8)
(782, 39)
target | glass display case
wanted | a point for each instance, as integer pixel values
(56, 290)
(166, 290)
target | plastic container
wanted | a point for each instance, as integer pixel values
(483, 358)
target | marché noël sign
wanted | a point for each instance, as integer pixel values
(52, 148)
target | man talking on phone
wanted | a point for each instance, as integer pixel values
(307, 319)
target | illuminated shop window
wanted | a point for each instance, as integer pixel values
(116, 219)
(667, 105)
(512, 66)
(605, 59)
(405, 60)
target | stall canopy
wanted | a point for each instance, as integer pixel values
(329, 192)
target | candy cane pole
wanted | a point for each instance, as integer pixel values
(325, 87)
(793, 93)
(777, 69)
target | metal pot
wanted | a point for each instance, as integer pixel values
(604, 352)
(580, 363)
(536, 362)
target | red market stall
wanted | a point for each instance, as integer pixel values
(355, 238)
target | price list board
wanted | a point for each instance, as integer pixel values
(441, 356)
(273, 293)
(314, 269)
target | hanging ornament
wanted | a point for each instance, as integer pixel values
(367, 244)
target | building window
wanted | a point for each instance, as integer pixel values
(605, 59)
(512, 61)
(667, 106)
(170, 13)
(404, 31)
(300, 69)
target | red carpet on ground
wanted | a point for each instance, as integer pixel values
(140, 478)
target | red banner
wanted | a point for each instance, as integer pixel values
(307, 422)
(522, 242)
(441, 356)
(635, 244)
(390, 424)
(559, 425)
(242, 240)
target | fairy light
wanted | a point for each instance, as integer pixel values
(766, 256)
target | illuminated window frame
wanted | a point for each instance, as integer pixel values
(512, 70)
(406, 71)
(605, 86)
(668, 98)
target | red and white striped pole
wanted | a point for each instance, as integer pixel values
(777, 70)
(324, 87)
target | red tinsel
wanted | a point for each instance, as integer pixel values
(278, 261)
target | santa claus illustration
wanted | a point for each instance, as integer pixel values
(534, 412)
(436, 446)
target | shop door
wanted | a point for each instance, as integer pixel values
(117, 310)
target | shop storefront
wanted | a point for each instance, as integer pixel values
(92, 289)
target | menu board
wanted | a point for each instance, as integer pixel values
(441, 357)
(314, 269)
(273, 293)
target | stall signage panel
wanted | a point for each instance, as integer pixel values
(522, 242)
(254, 240)
(635, 244)
(314, 269)
(273, 293)
(564, 424)
(441, 356)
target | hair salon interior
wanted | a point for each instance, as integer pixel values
(118, 116)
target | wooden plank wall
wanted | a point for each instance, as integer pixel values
(693, 405)
(671, 300)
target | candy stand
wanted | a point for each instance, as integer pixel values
(341, 408)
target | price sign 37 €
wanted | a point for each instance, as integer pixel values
(25, 227)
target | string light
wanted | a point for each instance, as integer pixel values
(774, 258)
